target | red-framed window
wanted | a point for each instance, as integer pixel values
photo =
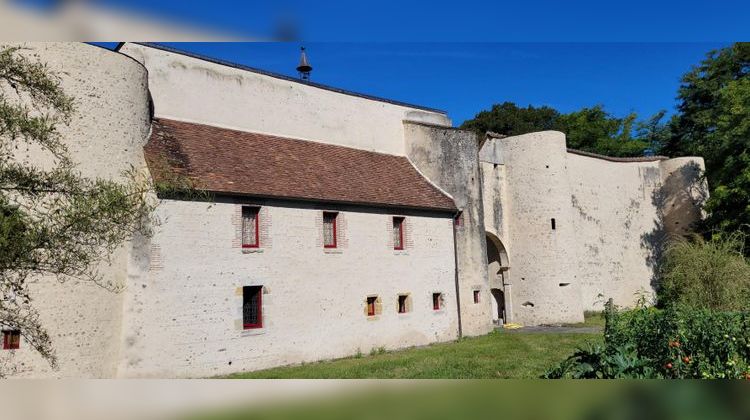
(329, 229)
(252, 307)
(250, 227)
(476, 296)
(371, 301)
(11, 340)
(436, 301)
(398, 233)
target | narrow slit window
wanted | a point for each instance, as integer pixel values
(437, 303)
(329, 229)
(476, 296)
(398, 233)
(252, 307)
(250, 223)
(457, 219)
(371, 300)
(553, 224)
(11, 340)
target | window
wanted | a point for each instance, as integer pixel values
(457, 218)
(371, 303)
(250, 216)
(398, 233)
(329, 229)
(11, 340)
(476, 296)
(403, 304)
(553, 224)
(437, 301)
(252, 307)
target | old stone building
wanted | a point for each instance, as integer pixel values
(337, 222)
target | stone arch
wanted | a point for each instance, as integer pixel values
(498, 264)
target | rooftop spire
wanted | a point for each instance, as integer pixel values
(304, 67)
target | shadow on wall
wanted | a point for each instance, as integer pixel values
(679, 202)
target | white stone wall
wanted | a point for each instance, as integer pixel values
(544, 268)
(184, 314)
(615, 215)
(106, 135)
(191, 89)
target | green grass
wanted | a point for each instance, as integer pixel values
(592, 319)
(496, 355)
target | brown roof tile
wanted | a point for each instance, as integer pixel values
(236, 162)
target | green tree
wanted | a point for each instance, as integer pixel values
(53, 221)
(714, 122)
(507, 118)
(589, 129)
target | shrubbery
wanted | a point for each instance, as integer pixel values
(665, 343)
(711, 274)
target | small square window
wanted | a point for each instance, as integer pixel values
(398, 233)
(11, 340)
(437, 301)
(403, 304)
(476, 296)
(329, 229)
(252, 307)
(250, 224)
(371, 305)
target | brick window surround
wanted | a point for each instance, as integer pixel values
(252, 307)
(329, 229)
(250, 227)
(11, 340)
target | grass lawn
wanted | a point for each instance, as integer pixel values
(591, 319)
(496, 355)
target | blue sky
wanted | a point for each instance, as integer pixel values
(465, 78)
(465, 20)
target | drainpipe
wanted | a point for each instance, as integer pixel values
(455, 265)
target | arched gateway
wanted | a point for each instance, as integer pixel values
(497, 266)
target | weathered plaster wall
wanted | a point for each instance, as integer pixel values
(448, 157)
(544, 271)
(185, 315)
(615, 214)
(191, 89)
(105, 137)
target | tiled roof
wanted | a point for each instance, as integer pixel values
(228, 161)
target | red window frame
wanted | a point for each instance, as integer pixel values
(256, 210)
(333, 216)
(258, 308)
(8, 342)
(436, 301)
(400, 222)
(371, 302)
(476, 296)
